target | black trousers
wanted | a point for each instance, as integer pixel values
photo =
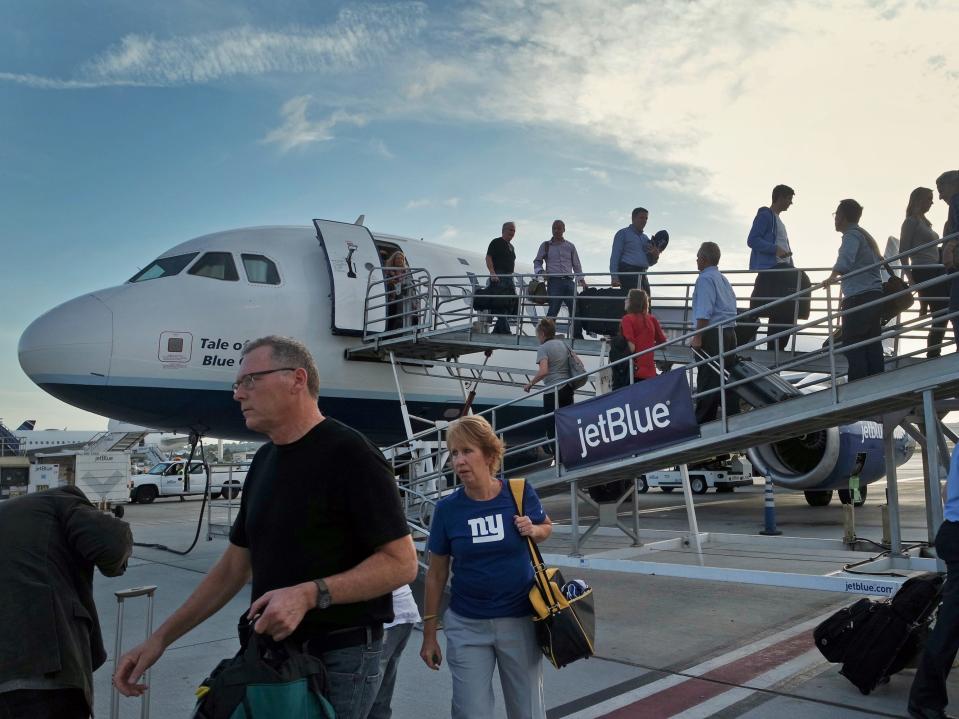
(929, 296)
(707, 378)
(860, 325)
(929, 687)
(769, 285)
(565, 399)
(504, 286)
(44, 704)
(632, 282)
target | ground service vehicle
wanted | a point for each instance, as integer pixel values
(167, 479)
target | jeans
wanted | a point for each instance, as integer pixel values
(353, 674)
(929, 687)
(954, 305)
(561, 291)
(931, 297)
(474, 647)
(771, 284)
(44, 704)
(858, 326)
(394, 641)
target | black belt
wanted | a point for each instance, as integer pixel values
(626, 267)
(343, 638)
(562, 278)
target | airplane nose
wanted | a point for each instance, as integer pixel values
(70, 344)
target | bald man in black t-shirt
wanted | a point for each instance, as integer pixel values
(321, 532)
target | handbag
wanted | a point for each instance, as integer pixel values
(576, 367)
(896, 297)
(265, 680)
(565, 628)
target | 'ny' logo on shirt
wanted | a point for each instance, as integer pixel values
(486, 529)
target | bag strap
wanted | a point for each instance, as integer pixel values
(517, 488)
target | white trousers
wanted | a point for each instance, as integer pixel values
(474, 647)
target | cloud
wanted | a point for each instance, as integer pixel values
(449, 233)
(418, 203)
(298, 130)
(595, 173)
(452, 202)
(360, 36)
(378, 147)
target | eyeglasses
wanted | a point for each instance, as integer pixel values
(248, 381)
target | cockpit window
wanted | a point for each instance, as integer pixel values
(216, 265)
(164, 267)
(260, 270)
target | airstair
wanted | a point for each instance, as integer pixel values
(912, 393)
(114, 442)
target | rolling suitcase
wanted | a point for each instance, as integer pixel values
(763, 390)
(893, 634)
(123, 595)
(834, 635)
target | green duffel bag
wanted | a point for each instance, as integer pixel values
(267, 680)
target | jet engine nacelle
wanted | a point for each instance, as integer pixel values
(826, 458)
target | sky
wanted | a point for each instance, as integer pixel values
(127, 128)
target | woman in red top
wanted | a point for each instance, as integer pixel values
(642, 331)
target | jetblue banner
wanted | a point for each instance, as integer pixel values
(646, 415)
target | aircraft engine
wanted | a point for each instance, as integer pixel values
(800, 462)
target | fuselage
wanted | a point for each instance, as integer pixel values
(162, 349)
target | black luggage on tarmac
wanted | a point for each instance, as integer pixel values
(763, 390)
(893, 634)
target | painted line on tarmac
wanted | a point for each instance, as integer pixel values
(706, 688)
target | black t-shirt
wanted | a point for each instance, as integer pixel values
(504, 256)
(316, 507)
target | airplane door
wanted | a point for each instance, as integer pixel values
(350, 255)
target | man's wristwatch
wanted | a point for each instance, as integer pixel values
(323, 596)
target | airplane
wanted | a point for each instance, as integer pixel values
(101, 352)
(27, 425)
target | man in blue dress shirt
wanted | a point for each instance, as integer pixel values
(928, 698)
(632, 253)
(713, 302)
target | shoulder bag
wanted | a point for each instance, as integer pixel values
(565, 628)
(576, 367)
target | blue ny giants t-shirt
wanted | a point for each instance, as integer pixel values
(492, 572)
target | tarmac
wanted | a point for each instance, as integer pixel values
(666, 646)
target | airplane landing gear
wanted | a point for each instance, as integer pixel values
(818, 498)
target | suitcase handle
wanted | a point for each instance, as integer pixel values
(146, 590)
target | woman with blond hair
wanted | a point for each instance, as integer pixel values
(642, 331)
(917, 232)
(552, 362)
(401, 303)
(488, 621)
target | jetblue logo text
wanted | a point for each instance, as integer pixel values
(617, 423)
(654, 413)
(859, 587)
(486, 529)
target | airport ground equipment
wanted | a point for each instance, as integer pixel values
(101, 476)
(122, 595)
(912, 394)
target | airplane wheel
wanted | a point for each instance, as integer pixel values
(845, 496)
(818, 499)
(146, 494)
(698, 484)
(642, 486)
(667, 490)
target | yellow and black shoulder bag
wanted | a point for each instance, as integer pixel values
(565, 628)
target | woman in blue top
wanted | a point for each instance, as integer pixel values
(857, 251)
(488, 619)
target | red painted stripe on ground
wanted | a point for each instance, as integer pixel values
(692, 692)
